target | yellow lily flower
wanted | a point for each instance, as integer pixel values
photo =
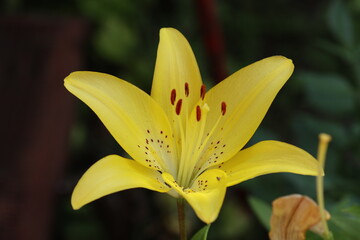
(182, 140)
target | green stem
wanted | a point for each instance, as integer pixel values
(181, 218)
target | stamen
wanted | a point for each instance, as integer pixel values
(202, 91)
(208, 147)
(198, 113)
(173, 96)
(178, 107)
(193, 142)
(187, 89)
(223, 108)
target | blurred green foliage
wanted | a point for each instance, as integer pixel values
(322, 38)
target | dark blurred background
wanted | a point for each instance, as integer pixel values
(49, 138)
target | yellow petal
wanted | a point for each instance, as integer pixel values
(112, 174)
(206, 195)
(268, 157)
(241, 102)
(175, 67)
(134, 119)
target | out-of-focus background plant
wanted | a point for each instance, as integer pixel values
(120, 38)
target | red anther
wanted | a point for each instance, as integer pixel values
(173, 96)
(198, 113)
(187, 89)
(178, 106)
(223, 108)
(202, 91)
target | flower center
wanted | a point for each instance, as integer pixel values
(196, 149)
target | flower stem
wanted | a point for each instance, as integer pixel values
(181, 218)
(323, 145)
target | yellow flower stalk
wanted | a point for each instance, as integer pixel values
(183, 140)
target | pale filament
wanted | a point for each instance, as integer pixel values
(190, 159)
(182, 163)
(203, 145)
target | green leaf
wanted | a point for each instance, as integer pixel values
(348, 227)
(353, 210)
(312, 236)
(345, 53)
(262, 210)
(202, 233)
(340, 22)
(345, 220)
(328, 93)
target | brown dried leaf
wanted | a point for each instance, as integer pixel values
(292, 216)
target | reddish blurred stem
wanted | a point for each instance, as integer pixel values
(213, 38)
(181, 218)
